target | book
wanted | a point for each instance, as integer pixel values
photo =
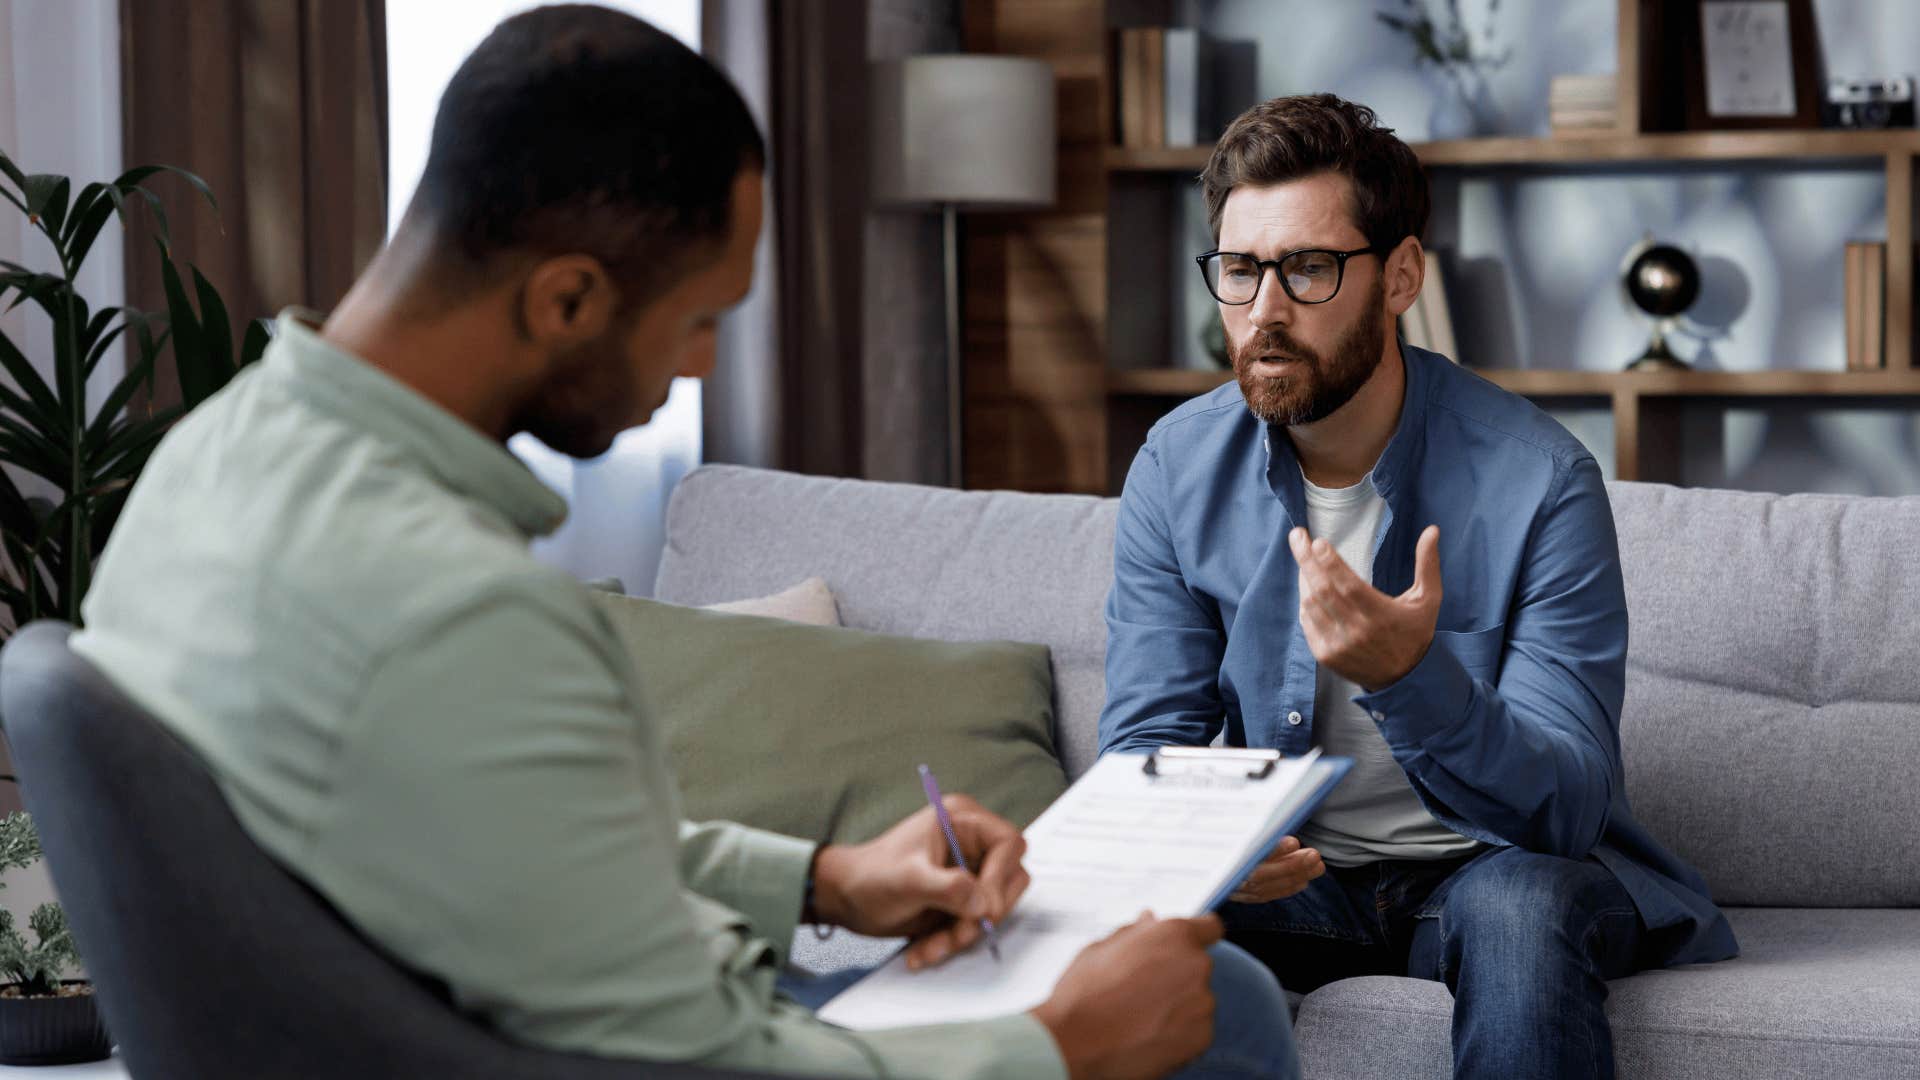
(1153, 102)
(1865, 297)
(1428, 323)
(1142, 77)
(1173, 832)
(1191, 61)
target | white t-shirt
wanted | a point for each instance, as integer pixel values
(1373, 814)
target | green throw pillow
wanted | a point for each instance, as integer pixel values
(775, 724)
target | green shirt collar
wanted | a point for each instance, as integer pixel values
(456, 453)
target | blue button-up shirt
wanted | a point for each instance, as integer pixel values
(1509, 727)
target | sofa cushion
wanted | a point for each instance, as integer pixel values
(791, 727)
(1772, 715)
(915, 561)
(1815, 993)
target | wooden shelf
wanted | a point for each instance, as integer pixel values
(1795, 146)
(1540, 383)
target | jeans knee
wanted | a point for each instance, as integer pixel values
(1524, 903)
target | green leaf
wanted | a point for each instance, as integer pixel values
(216, 336)
(259, 336)
(137, 376)
(189, 339)
(27, 378)
(82, 203)
(121, 458)
(30, 457)
(85, 227)
(12, 172)
(99, 350)
(129, 180)
(32, 285)
(47, 200)
(160, 229)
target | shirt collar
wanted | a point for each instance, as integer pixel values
(1398, 462)
(455, 453)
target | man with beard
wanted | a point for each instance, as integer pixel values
(1279, 561)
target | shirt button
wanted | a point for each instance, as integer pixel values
(1293, 718)
(1378, 716)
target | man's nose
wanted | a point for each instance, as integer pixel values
(1271, 305)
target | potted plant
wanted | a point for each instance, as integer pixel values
(45, 1018)
(65, 471)
(87, 459)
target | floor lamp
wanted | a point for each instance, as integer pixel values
(962, 132)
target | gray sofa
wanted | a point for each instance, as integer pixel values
(1771, 735)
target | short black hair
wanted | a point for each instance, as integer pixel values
(579, 129)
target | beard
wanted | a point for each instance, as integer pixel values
(1330, 379)
(588, 400)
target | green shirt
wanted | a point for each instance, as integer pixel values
(322, 585)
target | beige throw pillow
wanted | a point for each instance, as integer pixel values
(809, 602)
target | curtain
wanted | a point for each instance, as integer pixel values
(280, 105)
(788, 389)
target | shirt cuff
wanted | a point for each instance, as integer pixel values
(1435, 696)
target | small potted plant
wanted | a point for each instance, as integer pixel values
(45, 1018)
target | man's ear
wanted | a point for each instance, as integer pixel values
(568, 300)
(1405, 270)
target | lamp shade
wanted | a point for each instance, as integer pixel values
(971, 131)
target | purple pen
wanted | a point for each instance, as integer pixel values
(932, 787)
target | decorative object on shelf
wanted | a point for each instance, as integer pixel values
(1866, 300)
(1583, 104)
(45, 1019)
(1870, 104)
(1662, 281)
(1213, 343)
(90, 457)
(1428, 324)
(957, 131)
(1449, 46)
(1754, 65)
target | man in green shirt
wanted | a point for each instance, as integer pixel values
(322, 585)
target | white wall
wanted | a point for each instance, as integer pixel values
(615, 525)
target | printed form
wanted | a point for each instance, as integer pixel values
(1119, 842)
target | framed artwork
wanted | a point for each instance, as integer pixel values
(1752, 64)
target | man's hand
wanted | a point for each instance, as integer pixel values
(1356, 630)
(1284, 873)
(899, 883)
(1136, 1005)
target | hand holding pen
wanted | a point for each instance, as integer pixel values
(903, 883)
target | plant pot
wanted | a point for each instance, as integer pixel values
(52, 1030)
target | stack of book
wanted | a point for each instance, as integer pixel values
(1866, 300)
(1582, 103)
(1167, 87)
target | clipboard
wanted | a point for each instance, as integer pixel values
(1174, 831)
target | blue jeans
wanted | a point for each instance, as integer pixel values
(1252, 1035)
(1525, 941)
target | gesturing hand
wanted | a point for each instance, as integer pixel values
(899, 883)
(1363, 634)
(1284, 872)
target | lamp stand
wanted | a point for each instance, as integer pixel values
(950, 217)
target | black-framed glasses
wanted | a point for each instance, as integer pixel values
(1309, 275)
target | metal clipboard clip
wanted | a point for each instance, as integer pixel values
(1230, 762)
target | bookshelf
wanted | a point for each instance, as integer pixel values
(1062, 372)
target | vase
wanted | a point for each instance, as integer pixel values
(53, 1030)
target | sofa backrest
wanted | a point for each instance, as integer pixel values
(1772, 719)
(916, 561)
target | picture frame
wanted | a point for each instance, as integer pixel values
(1750, 64)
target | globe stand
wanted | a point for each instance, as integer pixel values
(1658, 357)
